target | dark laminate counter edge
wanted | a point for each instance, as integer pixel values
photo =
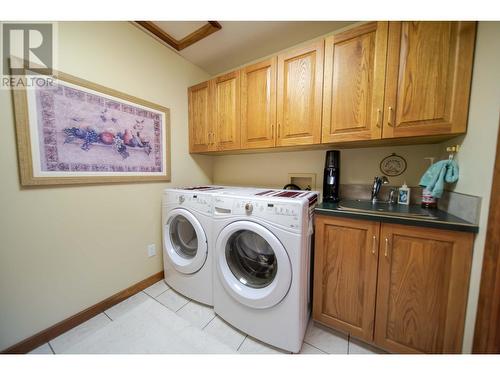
(460, 226)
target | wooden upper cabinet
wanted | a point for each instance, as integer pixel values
(226, 111)
(354, 79)
(200, 131)
(345, 274)
(429, 67)
(258, 104)
(375, 81)
(300, 86)
(423, 279)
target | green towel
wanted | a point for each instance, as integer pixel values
(437, 174)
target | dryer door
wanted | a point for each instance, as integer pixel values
(253, 265)
(185, 242)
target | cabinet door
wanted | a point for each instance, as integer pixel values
(258, 104)
(423, 279)
(300, 86)
(353, 96)
(429, 67)
(226, 111)
(200, 131)
(345, 274)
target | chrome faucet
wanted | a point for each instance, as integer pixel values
(393, 196)
(377, 183)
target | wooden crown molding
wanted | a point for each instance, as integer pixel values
(197, 35)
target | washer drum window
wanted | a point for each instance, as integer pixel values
(251, 259)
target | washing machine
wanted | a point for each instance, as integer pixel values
(262, 262)
(187, 229)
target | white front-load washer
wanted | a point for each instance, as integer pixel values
(262, 263)
(187, 230)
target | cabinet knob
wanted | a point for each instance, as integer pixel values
(386, 247)
(374, 246)
(379, 117)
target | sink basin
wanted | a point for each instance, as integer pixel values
(384, 208)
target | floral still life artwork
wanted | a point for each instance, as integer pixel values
(85, 132)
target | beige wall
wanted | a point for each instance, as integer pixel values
(477, 155)
(358, 166)
(63, 249)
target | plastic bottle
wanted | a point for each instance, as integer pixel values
(404, 194)
(428, 201)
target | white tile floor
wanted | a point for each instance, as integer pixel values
(160, 320)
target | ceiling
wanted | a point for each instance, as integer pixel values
(239, 42)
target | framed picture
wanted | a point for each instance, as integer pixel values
(78, 132)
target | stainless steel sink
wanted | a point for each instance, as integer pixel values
(384, 208)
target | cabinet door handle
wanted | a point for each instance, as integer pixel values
(386, 246)
(390, 119)
(374, 246)
(379, 117)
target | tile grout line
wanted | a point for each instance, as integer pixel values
(348, 338)
(157, 295)
(239, 346)
(51, 348)
(176, 311)
(162, 305)
(161, 293)
(210, 321)
(104, 312)
(315, 347)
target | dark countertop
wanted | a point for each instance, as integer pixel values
(441, 220)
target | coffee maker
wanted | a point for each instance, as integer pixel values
(331, 176)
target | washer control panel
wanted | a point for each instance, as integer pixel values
(283, 213)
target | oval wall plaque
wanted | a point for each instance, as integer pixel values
(393, 165)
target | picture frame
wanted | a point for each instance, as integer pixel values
(79, 132)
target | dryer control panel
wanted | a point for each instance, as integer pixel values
(198, 202)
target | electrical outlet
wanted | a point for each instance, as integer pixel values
(151, 250)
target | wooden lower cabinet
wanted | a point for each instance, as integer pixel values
(345, 274)
(402, 288)
(423, 282)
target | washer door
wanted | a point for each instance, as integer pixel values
(185, 242)
(253, 265)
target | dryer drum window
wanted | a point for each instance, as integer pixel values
(183, 237)
(251, 259)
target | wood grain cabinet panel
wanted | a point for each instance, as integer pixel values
(429, 68)
(226, 111)
(300, 87)
(258, 104)
(423, 279)
(200, 130)
(345, 274)
(354, 79)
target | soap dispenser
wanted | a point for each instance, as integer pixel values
(404, 194)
